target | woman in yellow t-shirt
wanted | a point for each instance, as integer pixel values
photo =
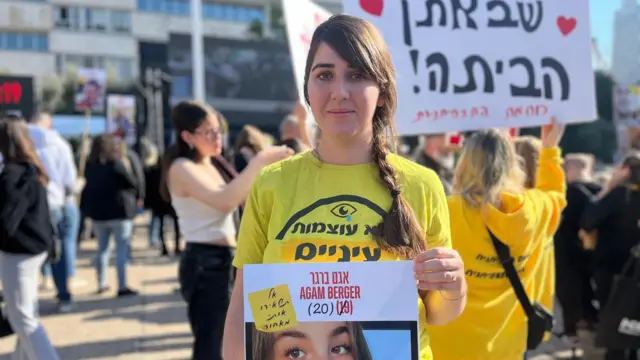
(489, 192)
(350, 199)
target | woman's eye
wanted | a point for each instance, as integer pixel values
(324, 76)
(341, 350)
(358, 77)
(295, 354)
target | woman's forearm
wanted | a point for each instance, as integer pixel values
(442, 306)
(233, 340)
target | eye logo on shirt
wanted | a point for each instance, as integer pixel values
(327, 231)
(344, 211)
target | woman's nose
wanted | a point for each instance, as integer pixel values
(340, 90)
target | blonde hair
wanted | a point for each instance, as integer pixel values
(528, 148)
(488, 167)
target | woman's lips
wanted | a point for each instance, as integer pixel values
(341, 112)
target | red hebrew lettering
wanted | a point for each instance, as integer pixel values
(10, 93)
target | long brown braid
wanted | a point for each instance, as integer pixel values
(399, 232)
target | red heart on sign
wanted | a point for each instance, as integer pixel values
(373, 7)
(566, 25)
(454, 139)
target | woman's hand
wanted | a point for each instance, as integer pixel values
(551, 133)
(300, 112)
(271, 154)
(619, 176)
(441, 269)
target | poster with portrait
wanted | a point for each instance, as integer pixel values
(470, 65)
(348, 310)
(121, 117)
(626, 100)
(91, 89)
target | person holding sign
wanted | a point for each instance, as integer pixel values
(504, 233)
(351, 199)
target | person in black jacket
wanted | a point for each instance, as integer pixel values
(616, 217)
(160, 208)
(110, 200)
(574, 265)
(26, 238)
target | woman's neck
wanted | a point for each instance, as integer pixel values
(335, 153)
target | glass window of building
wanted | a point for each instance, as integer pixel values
(97, 19)
(121, 21)
(181, 86)
(12, 41)
(66, 17)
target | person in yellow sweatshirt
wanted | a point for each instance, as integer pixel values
(489, 192)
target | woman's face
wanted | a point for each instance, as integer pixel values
(314, 341)
(343, 99)
(207, 138)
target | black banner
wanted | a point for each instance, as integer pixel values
(17, 96)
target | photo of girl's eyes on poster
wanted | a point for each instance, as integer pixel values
(332, 340)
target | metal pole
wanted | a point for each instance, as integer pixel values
(197, 51)
(159, 109)
(151, 118)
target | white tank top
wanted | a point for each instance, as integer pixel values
(201, 223)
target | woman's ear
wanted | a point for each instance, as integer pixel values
(380, 101)
(186, 137)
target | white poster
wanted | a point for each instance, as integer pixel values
(350, 310)
(121, 117)
(90, 93)
(627, 105)
(302, 17)
(468, 65)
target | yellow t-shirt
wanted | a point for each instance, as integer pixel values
(302, 210)
(493, 325)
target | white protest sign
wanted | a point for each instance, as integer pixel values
(355, 304)
(302, 17)
(468, 65)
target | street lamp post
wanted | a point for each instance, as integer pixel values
(197, 51)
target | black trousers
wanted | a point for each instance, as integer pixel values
(176, 233)
(206, 280)
(604, 282)
(575, 292)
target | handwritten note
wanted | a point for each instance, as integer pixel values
(272, 309)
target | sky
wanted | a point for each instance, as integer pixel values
(602, 15)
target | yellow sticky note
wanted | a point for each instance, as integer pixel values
(272, 309)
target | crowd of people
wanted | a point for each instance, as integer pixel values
(454, 212)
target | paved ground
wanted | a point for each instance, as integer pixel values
(150, 326)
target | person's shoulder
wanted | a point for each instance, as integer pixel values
(282, 172)
(413, 174)
(181, 164)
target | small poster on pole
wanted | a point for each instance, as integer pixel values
(121, 115)
(350, 310)
(90, 93)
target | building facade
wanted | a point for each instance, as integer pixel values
(41, 37)
(626, 43)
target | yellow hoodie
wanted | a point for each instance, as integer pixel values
(493, 326)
